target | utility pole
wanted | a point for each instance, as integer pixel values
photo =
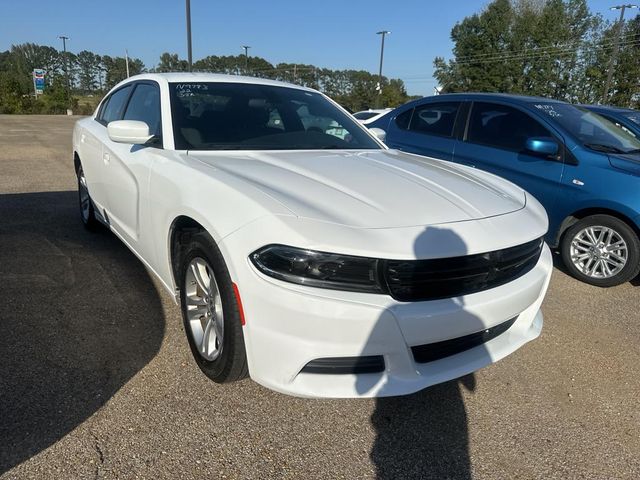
(383, 33)
(126, 60)
(616, 48)
(246, 58)
(189, 56)
(64, 39)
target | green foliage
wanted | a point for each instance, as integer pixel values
(90, 75)
(550, 48)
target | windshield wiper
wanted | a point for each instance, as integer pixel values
(601, 147)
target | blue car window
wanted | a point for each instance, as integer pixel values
(501, 126)
(403, 119)
(435, 118)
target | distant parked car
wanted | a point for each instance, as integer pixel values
(624, 118)
(367, 116)
(582, 167)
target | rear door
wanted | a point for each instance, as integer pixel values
(495, 140)
(427, 129)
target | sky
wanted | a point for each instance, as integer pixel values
(332, 34)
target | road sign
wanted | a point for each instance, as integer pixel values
(38, 81)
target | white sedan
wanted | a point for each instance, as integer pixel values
(319, 264)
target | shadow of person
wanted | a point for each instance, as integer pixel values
(425, 434)
(79, 316)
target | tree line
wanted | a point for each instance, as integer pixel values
(550, 48)
(87, 74)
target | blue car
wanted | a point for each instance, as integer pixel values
(583, 168)
(624, 118)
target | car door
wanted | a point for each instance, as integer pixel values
(127, 166)
(495, 141)
(92, 139)
(426, 129)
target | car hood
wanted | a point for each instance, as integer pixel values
(369, 189)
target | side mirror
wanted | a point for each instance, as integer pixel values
(378, 133)
(546, 146)
(129, 131)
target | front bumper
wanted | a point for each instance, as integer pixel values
(290, 325)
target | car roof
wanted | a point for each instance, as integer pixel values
(183, 77)
(608, 108)
(487, 97)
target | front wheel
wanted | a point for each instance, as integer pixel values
(210, 311)
(601, 250)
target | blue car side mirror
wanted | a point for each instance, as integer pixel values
(542, 145)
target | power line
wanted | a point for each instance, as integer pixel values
(541, 51)
(534, 55)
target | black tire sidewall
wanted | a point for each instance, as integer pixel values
(91, 222)
(632, 267)
(228, 366)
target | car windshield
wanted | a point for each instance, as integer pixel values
(241, 116)
(592, 130)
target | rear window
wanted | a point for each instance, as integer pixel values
(435, 119)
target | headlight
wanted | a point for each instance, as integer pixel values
(319, 269)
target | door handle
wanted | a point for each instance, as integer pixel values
(106, 158)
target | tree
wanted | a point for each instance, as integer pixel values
(115, 69)
(88, 68)
(534, 47)
(169, 62)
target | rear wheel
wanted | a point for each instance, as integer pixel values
(210, 311)
(601, 250)
(87, 213)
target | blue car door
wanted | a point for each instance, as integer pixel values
(426, 129)
(495, 141)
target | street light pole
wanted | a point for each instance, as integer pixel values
(189, 56)
(246, 58)
(126, 60)
(64, 39)
(383, 33)
(616, 48)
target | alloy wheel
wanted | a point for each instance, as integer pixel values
(599, 252)
(204, 309)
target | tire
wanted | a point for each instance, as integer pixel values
(211, 311)
(589, 253)
(87, 212)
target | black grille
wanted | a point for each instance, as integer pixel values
(431, 352)
(415, 280)
(345, 365)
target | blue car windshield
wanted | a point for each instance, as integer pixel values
(244, 116)
(592, 130)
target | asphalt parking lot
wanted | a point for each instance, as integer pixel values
(97, 381)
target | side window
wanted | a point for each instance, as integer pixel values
(115, 105)
(145, 106)
(435, 119)
(503, 127)
(402, 120)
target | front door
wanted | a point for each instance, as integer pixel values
(495, 142)
(127, 166)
